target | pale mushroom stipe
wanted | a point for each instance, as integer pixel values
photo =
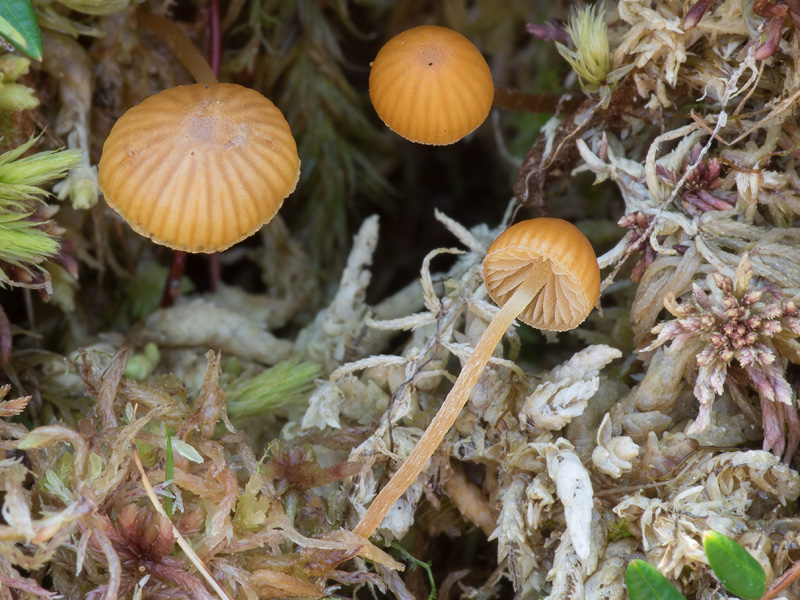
(199, 167)
(431, 85)
(542, 271)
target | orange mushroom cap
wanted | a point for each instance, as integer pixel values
(566, 261)
(431, 85)
(199, 167)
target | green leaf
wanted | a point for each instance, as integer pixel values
(186, 451)
(18, 26)
(646, 583)
(737, 570)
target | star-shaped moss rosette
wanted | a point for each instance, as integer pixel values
(747, 322)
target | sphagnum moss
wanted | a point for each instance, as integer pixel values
(690, 119)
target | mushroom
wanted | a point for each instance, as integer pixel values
(431, 85)
(199, 167)
(542, 271)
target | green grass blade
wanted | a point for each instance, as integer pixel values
(737, 570)
(415, 562)
(18, 26)
(646, 583)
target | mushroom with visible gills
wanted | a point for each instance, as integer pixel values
(542, 271)
(431, 85)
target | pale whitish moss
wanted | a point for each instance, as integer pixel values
(591, 59)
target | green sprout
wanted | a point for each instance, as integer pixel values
(619, 530)
(591, 59)
(21, 178)
(25, 240)
(22, 244)
(415, 562)
(284, 384)
(142, 364)
(15, 96)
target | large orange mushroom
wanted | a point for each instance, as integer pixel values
(199, 167)
(431, 85)
(542, 271)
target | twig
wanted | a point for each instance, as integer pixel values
(5, 337)
(180, 43)
(782, 582)
(514, 99)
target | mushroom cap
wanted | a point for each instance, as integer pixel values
(566, 257)
(199, 167)
(431, 85)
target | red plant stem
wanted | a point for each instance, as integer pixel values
(782, 582)
(517, 100)
(216, 37)
(214, 270)
(172, 290)
(5, 337)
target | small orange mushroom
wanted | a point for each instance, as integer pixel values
(199, 167)
(431, 85)
(542, 271)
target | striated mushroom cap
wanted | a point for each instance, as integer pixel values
(431, 85)
(199, 167)
(559, 250)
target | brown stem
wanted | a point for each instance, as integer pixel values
(469, 501)
(782, 582)
(215, 36)
(194, 62)
(172, 289)
(452, 405)
(180, 43)
(214, 272)
(215, 55)
(5, 337)
(514, 99)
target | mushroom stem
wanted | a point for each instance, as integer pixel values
(517, 100)
(455, 401)
(180, 43)
(194, 62)
(172, 289)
